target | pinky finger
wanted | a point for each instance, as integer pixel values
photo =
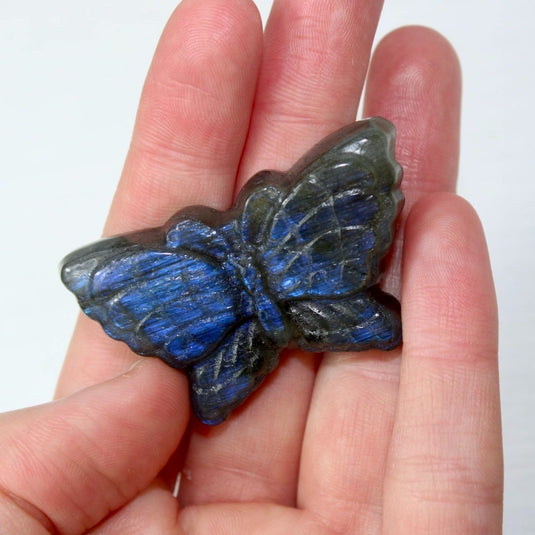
(444, 468)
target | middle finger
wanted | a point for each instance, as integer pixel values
(315, 60)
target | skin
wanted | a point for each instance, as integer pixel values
(407, 441)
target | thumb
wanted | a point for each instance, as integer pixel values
(69, 463)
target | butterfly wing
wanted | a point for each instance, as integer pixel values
(335, 225)
(360, 321)
(224, 379)
(156, 292)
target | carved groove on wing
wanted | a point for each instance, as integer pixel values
(322, 239)
(315, 247)
(198, 236)
(258, 211)
(312, 216)
(224, 379)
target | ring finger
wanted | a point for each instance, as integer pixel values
(414, 81)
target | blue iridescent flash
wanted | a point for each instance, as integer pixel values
(295, 262)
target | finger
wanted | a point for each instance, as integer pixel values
(444, 470)
(315, 63)
(193, 114)
(415, 82)
(186, 146)
(355, 394)
(75, 460)
(315, 60)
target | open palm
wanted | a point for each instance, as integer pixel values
(402, 442)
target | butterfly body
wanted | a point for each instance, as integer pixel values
(295, 262)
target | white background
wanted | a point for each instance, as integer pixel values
(71, 73)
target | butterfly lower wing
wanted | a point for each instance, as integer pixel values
(365, 320)
(335, 225)
(174, 304)
(222, 381)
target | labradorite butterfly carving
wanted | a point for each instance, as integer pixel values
(295, 262)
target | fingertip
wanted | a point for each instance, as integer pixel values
(442, 227)
(227, 21)
(411, 60)
(448, 291)
(415, 37)
(445, 211)
(415, 81)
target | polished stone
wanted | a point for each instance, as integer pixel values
(295, 262)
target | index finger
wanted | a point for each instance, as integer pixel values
(186, 145)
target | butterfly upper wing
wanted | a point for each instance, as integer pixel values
(162, 298)
(335, 224)
(224, 379)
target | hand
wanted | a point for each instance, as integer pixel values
(401, 442)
